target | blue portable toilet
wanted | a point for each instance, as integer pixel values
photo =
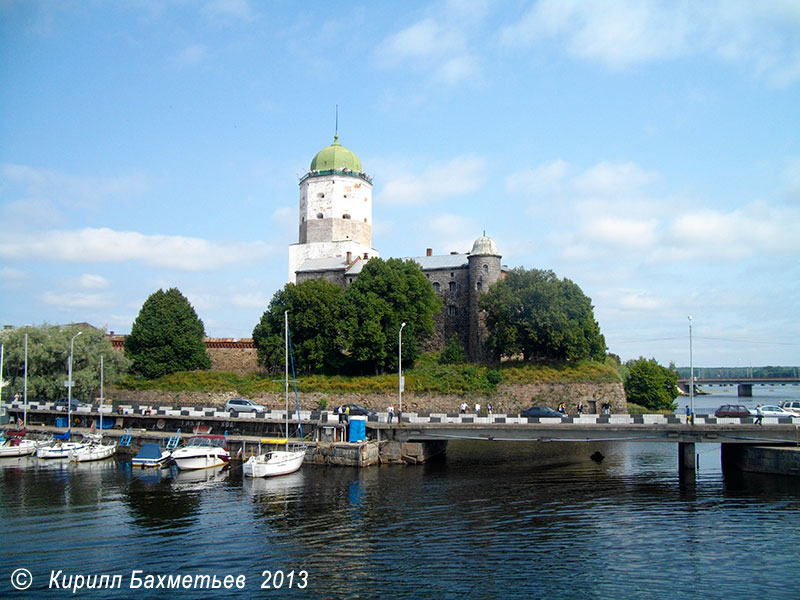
(62, 421)
(358, 428)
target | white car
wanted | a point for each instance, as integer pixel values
(792, 406)
(244, 405)
(770, 410)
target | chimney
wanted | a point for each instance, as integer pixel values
(429, 252)
(349, 257)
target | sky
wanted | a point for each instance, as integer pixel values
(649, 151)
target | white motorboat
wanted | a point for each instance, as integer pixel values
(151, 455)
(15, 444)
(93, 449)
(202, 452)
(275, 461)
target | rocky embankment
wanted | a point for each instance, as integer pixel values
(508, 399)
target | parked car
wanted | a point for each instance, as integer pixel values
(732, 410)
(770, 410)
(244, 405)
(792, 406)
(357, 409)
(541, 411)
(61, 403)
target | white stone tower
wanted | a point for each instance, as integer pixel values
(335, 210)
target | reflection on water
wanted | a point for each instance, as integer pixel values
(488, 520)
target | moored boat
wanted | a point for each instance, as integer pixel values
(202, 452)
(59, 447)
(275, 461)
(93, 449)
(151, 455)
(15, 444)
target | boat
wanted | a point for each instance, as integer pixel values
(93, 449)
(59, 447)
(202, 452)
(14, 444)
(277, 461)
(151, 455)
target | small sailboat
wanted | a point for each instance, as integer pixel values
(277, 461)
(94, 448)
(14, 444)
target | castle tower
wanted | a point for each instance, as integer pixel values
(335, 210)
(485, 270)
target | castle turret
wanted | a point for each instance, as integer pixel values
(485, 269)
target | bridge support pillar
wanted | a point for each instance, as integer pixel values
(686, 456)
(745, 390)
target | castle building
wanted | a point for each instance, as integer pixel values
(335, 242)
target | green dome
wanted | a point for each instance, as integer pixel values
(336, 157)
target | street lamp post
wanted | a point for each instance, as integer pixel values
(691, 372)
(400, 368)
(70, 383)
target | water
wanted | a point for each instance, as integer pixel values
(488, 521)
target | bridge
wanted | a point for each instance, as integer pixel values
(745, 384)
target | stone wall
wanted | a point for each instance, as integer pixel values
(237, 360)
(509, 399)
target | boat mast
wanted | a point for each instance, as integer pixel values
(100, 407)
(25, 387)
(286, 367)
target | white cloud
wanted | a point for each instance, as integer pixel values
(457, 177)
(543, 179)
(71, 190)
(77, 300)
(191, 56)
(108, 246)
(436, 46)
(613, 179)
(88, 281)
(239, 10)
(760, 35)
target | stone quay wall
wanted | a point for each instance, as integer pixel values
(508, 399)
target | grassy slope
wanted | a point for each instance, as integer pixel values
(426, 377)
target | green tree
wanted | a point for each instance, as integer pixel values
(313, 307)
(386, 294)
(650, 385)
(534, 314)
(167, 336)
(454, 353)
(48, 359)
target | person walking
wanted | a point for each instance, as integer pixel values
(489, 408)
(390, 413)
(579, 408)
(477, 409)
(759, 415)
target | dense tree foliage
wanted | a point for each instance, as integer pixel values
(650, 385)
(48, 358)
(386, 294)
(355, 329)
(454, 353)
(167, 336)
(534, 314)
(314, 308)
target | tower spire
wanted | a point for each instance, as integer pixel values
(336, 130)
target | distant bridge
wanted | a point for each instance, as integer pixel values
(745, 384)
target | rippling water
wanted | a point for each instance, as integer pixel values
(489, 520)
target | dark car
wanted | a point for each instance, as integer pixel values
(358, 410)
(540, 411)
(732, 410)
(61, 403)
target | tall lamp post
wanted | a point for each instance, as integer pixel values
(691, 372)
(400, 367)
(70, 383)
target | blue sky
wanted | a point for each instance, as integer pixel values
(649, 151)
